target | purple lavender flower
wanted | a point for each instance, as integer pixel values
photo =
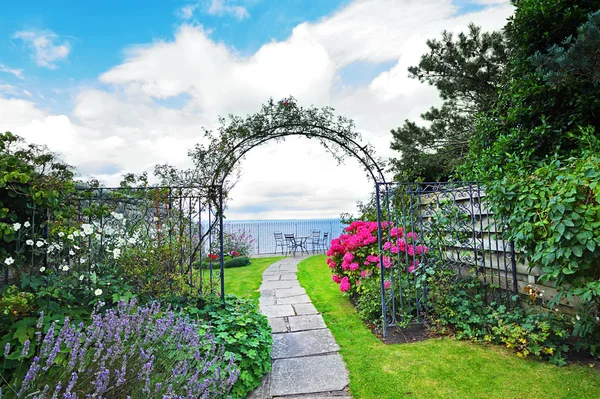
(129, 352)
(40, 322)
(25, 350)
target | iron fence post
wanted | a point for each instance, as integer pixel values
(381, 269)
(221, 239)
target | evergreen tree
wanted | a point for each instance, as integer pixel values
(467, 71)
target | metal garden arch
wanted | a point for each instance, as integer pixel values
(275, 121)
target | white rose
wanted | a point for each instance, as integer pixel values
(81, 277)
(70, 236)
(65, 268)
(27, 224)
(17, 226)
(116, 253)
(29, 242)
(42, 269)
(39, 244)
(98, 292)
(71, 252)
(61, 234)
(87, 229)
(9, 261)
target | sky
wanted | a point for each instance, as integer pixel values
(117, 87)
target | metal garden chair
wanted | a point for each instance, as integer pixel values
(325, 241)
(316, 240)
(279, 242)
(291, 244)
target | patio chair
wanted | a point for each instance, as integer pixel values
(325, 241)
(279, 242)
(291, 245)
(316, 240)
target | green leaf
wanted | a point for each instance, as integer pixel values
(591, 245)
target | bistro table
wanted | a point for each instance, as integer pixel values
(301, 243)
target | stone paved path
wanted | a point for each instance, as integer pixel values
(306, 362)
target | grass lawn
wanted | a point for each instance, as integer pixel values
(244, 281)
(435, 368)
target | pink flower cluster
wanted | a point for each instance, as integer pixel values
(355, 255)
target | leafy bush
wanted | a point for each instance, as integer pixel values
(245, 333)
(128, 352)
(554, 214)
(237, 262)
(241, 242)
(461, 307)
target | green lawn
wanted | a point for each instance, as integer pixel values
(245, 281)
(435, 368)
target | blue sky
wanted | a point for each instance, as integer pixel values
(100, 31)
(119, 86)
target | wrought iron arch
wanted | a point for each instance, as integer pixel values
(372, 168)
(276, 121)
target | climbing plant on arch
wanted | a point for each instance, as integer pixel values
(277, 120)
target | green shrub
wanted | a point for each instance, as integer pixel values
(461, 307)
(244, 332)
(237, 262)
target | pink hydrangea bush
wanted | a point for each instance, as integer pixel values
(354, 256)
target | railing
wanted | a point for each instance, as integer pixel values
(262, 232)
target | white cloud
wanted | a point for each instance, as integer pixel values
(220, 7)
(127, 125)
(17, 72)
(47, 48)
(187, 12)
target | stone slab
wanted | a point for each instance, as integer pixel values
(303, 343)
(309, 322)
(305, 309)
(270, 285)
(306, 375)
(277, 310)
(278, 324)
(292, 291)
(289, 276)
(292, 300)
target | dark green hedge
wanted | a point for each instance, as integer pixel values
(237, 262)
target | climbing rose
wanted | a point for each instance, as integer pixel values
(387, 284)
(336, 278)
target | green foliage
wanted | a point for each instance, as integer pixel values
(34, 184)
(551, 89)
(467, 71)
(461, 307)
(537, 150)
(244, 332)
(237, 262)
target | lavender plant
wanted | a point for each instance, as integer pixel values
(129, 352)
